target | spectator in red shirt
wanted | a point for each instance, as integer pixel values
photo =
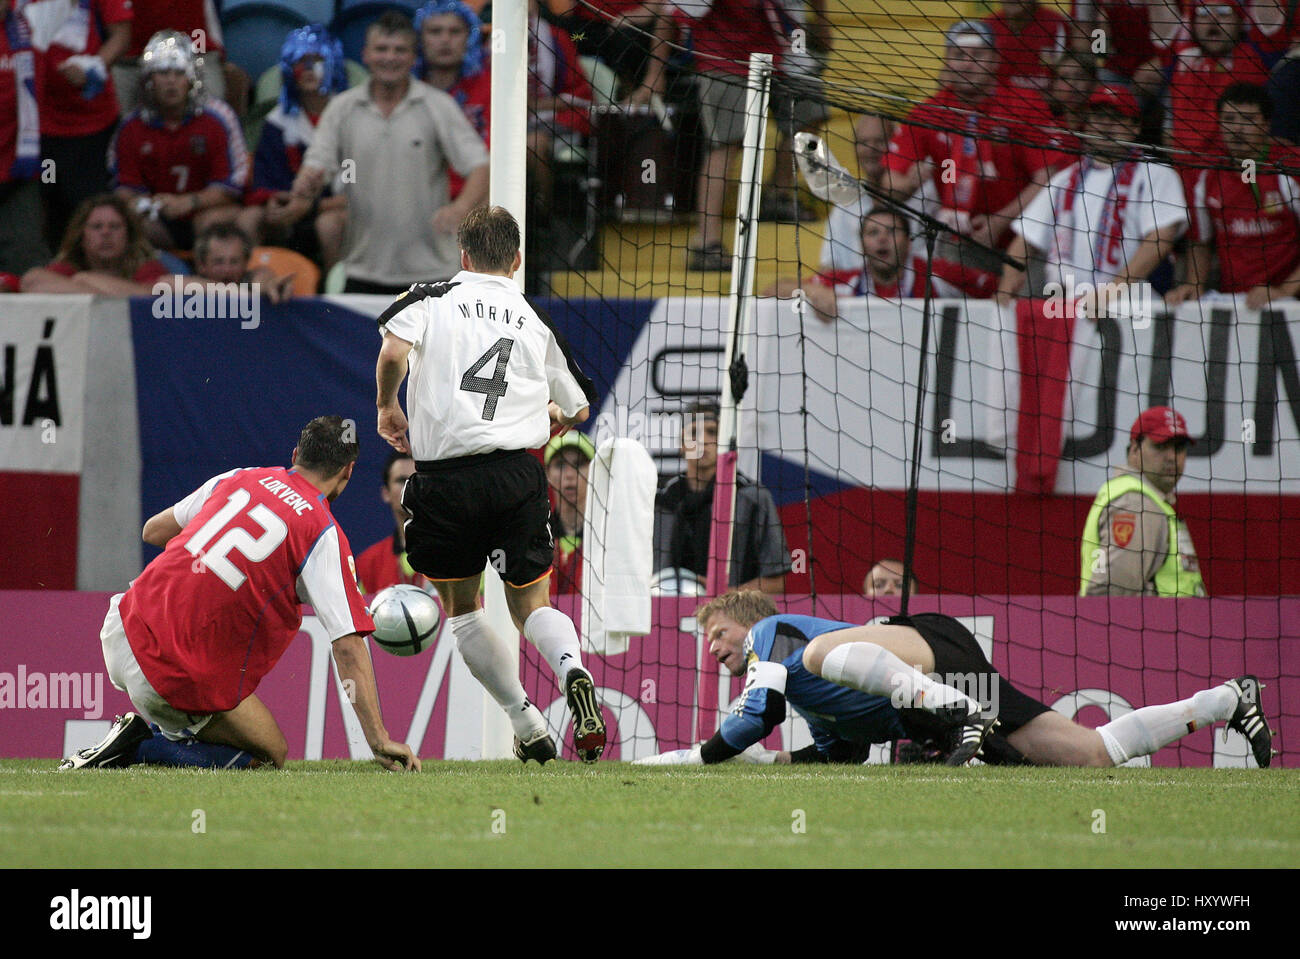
(890, 270)
(104, 251)
(567, 458)
(1202, 72)
(1268, 30)
(1251, 221)
(454, 59)
(1074, 77)
(970, 143)
(1130, 35)
(196, 19)
(1028, 37)
(21, 244)
(384, 563)
(180, 157)
(79, 109)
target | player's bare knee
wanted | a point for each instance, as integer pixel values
(814, 654)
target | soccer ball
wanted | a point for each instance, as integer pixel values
(406, 619)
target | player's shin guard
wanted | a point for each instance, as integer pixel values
(875, 670)
(1146, 730)
(490, 662)
(555, 637)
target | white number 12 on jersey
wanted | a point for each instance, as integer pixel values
(255, 548)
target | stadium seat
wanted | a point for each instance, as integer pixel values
(255, 32)
(315, 11)
(282, 262)
(309, 11)
(354, 16)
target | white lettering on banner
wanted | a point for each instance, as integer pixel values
(464, 725)
(176, 300)
(318, 686)
(1217, 362)
(43, 347)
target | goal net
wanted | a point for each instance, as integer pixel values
(1026, 402)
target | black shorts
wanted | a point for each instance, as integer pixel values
(472, 510)
(959, 662)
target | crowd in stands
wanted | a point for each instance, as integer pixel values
(138, 100)
(142, 100)
(1131, 141)
(1078, 148)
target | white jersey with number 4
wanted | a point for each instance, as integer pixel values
(485, 362)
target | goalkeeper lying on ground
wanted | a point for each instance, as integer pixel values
(854, 686)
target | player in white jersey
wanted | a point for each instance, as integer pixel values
(490, 378)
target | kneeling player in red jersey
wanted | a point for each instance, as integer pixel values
(195, 633)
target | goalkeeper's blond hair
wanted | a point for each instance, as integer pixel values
(745, 606)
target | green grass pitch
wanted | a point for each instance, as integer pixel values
(499, 814)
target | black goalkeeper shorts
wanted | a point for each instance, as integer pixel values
(959, 662)
(474, 510)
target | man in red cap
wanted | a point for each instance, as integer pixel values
(1109, 219)
(1134, 544)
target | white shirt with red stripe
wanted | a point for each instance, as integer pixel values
(215, 612)
(1091, 218)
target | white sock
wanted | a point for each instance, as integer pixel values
(490, 662)
(875, 670)
(554, 636)
(1146, 730)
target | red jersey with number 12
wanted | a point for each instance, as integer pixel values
(215, 612)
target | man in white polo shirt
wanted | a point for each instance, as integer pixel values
(490, 378)
(391, 141)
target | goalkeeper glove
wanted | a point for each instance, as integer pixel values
(675, 757)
